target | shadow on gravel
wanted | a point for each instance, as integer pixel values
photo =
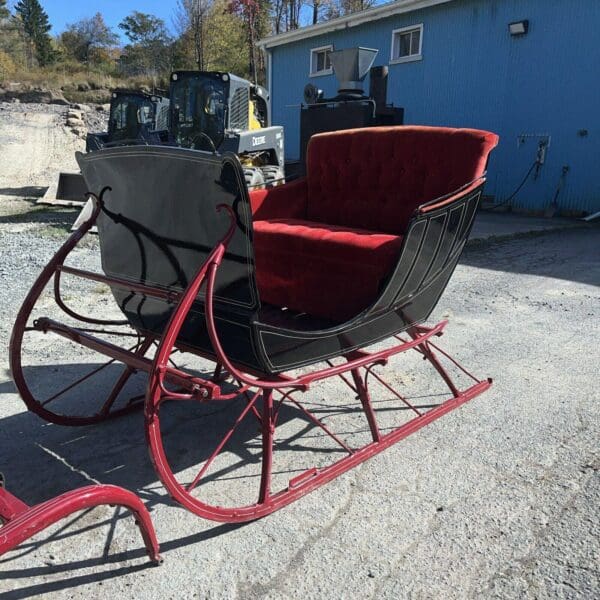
(28, 208)
(570, 254)
(62, 220)
(63, 223)
(115, 451)
(74, 582)
(41, 460)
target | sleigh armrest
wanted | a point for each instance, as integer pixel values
(452, 196)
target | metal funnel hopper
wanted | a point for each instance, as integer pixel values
(351, 66)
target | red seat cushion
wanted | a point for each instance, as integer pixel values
(324, 270)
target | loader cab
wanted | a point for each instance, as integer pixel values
(206, 106)
(130, 113)
(134, 116)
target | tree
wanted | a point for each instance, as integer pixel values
(255, 18)
(4, 12)
(149, 51)
(345, 7)
(293, 13)
(81, 39)
(15, 48)
(191, 19)
(278, 15)
(350, 6)
(144, 29)
(223, 50)
(285, 14)
(36, 26)
(225, 47)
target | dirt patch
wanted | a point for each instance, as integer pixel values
(35, 144)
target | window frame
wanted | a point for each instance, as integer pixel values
(411, 57)
(313, 52)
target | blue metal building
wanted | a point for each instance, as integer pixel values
(460, 63)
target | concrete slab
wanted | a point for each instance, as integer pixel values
(496, 500)
(493, 225)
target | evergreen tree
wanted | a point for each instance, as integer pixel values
(4, 12)
(36, 27)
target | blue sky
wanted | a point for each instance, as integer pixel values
(62, 12)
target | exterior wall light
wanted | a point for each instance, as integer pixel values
(519, 27)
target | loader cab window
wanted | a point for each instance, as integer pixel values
(198, 112)
(128, 116)
(145, 113)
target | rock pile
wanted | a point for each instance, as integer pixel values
(75, 119)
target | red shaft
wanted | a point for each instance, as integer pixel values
(26, 521)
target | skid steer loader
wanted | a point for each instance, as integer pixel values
(134, 117)
(215, 111)
(220, 112)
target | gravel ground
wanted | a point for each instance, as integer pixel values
(498, 499)
(35, 144)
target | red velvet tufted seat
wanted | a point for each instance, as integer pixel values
(325, 244)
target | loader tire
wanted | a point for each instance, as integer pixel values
(254, 178)
(273, 175)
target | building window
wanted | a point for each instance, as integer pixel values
(320, 63)
(407, 44)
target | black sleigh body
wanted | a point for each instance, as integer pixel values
(161, 221)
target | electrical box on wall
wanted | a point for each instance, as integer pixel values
(538, 148)
(538, 142)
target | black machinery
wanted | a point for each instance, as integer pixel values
(351, 108)
(134, 116)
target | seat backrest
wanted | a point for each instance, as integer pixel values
(161, 221)
(374, 178)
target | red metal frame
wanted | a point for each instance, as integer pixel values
(22, 522)
(313, 478)
(169, 383)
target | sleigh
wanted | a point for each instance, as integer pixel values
(265, 296)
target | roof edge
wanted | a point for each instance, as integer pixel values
(352, 20)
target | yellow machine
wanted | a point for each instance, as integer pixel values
(220, 112)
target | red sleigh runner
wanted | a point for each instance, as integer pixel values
(279, 289)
